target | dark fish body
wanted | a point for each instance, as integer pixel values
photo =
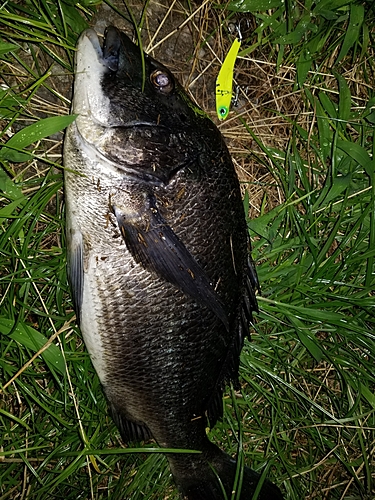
(157, 257)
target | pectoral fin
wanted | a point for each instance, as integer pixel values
(153, 243)
(75, 269)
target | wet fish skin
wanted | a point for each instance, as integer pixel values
(157, 257)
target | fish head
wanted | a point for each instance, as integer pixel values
(133, 111)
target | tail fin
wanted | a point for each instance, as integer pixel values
(197, 477)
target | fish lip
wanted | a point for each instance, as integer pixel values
(111, 47)
(92, 35)
(107, 52)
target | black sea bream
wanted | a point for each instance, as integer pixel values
(157, 257)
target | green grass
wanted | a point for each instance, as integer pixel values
(303, 141)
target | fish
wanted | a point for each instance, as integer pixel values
(157, 258)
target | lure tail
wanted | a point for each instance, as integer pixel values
(206, 476)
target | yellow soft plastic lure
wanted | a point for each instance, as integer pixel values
(224, 81)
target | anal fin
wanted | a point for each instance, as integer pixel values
(130, 431)
(75, 269)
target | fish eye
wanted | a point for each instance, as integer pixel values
(162, 81)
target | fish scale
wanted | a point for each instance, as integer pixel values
(157, 258)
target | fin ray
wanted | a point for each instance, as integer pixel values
(75, 269)
(130, 431)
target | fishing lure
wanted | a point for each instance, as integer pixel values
(224, 81)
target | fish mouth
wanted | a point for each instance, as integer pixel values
(107, 54)
(94, 60)
(111, 47)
